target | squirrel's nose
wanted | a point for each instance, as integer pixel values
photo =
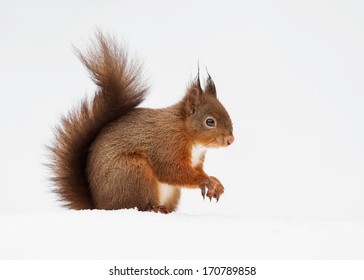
(230, 140)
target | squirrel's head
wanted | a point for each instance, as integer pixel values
(207, 120)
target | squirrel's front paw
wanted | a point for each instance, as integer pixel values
(213, 186)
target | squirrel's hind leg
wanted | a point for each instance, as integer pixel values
(128, 182)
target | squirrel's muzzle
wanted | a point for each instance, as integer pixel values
(229, 140)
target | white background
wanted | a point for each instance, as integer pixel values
(290, 73)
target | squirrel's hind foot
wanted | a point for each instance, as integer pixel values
(158, 209)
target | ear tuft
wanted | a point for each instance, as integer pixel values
(197, 82)
(210, 86)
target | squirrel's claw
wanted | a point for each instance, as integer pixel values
(214, 188)
(206, 184)
(217, 190)
(203, 191)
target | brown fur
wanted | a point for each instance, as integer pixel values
(113, 155)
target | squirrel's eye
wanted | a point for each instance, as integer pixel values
(210, 122)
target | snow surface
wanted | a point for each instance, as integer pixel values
(129, 234)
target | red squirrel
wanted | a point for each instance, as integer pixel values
(111, 154)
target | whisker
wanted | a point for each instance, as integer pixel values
(204, 146)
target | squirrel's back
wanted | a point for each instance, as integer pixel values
(119, 91)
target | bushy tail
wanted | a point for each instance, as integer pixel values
(119, 90)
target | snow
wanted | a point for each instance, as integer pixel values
(129, 234)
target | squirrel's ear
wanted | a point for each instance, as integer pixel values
(210, 87)
(193, 96)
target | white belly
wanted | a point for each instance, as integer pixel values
(165, 193)
(198, 151)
